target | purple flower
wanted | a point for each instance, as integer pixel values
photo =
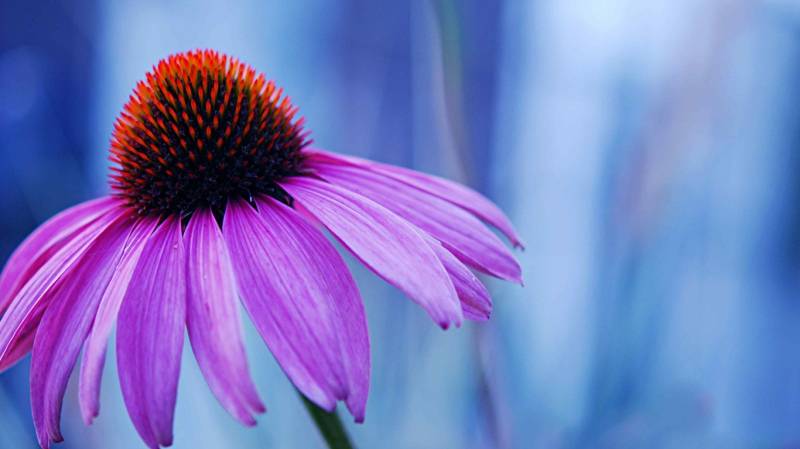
(217, 197)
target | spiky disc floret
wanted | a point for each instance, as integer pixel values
(201, 129)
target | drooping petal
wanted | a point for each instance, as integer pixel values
(453, 192)
(475, 299)
(457, 229)
(443, 221)
(150, 334)
(303, 301)
(384, 242)
(337, 290)
(44, 242)
(66, 323)
(25, 311)
(94, 352)
(212, 318)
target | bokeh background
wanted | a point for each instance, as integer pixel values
(647, 151)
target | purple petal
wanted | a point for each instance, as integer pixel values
(44, 242)
(303, 301)
(94, 353)
(23, 314)
(336, 289)
(213, 321)
(390, 246)
(475, 300)
(150, 334)
(65, 325)
(453, 192)
(457, 229)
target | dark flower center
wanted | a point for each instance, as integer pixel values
(203, 129)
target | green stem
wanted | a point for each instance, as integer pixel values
(329, 425)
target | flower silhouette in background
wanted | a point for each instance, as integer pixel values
(218, 197)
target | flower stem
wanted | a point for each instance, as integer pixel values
(329, 425)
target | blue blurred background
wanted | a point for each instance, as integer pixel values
(647, 151)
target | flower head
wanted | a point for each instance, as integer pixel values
(217, 198)
(204, 128)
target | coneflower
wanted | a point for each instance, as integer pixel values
(218, 197)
